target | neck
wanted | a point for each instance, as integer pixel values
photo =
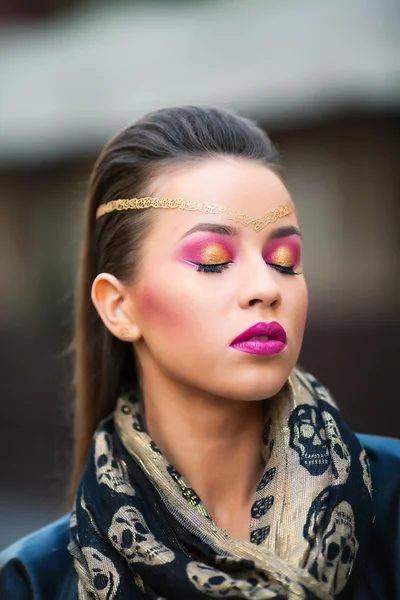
(215, 443)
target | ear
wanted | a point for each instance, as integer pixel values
(113, 304)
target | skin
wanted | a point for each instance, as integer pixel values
(204, 401)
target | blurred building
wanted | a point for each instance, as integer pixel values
(322, 77)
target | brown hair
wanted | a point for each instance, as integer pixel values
(104, 365)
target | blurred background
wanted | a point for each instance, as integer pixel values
(322, 77)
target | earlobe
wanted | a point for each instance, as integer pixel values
(129, 334)
(111, 299)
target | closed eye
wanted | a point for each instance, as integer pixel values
(212, 268)
(221, 266)
(284, 270)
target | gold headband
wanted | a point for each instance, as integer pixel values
(206, 207)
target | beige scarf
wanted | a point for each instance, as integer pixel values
(309, 518)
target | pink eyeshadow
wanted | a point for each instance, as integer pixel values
(284, 251)
(207, 249)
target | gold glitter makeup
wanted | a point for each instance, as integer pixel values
(213, 254)
(284, 252)
(210, 249)
(282, 256)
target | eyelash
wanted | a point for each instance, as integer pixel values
(212, 268)
(219, 268)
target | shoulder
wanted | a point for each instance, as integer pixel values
(39, 566)
(379, 445)
(381, 573)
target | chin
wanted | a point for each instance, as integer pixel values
(255, 384)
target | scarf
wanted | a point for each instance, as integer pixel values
(140, 531)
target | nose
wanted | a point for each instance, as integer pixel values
(259, 285)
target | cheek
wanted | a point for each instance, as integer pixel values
(158, 306)
(300, 307)
(171, 311)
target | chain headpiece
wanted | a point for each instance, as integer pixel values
(206, 207)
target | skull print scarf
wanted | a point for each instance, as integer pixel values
(140, 531)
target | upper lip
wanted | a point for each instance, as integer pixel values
(273, 330)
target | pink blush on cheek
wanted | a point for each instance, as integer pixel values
(161, 306)
(285, 252)
(153, 305)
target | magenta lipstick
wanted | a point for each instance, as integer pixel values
(264, 339)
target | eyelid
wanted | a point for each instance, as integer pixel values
(214, 254)
(209, 249)
(284, 270)
(285, 253)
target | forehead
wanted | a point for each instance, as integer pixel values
(240, 184)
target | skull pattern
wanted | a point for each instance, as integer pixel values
(108, 470)
(103, 573)
(217, 584)
(131, 536)
(308, 439)
(366, 471)
(316, 514)
(310, 460)
(339, 548)
(340, 455)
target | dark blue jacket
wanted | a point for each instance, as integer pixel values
(39, 567)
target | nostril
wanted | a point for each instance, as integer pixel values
(254, 301)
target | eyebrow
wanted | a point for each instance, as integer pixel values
(213, 228)
(234, 231)
(284, 232)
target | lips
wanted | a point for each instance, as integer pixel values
(273, 339)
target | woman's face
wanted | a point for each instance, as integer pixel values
(188, 315)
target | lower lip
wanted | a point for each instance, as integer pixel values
(260, 347)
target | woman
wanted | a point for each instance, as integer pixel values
(217, 468)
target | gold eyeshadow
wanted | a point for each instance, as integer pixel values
(282, 256)
(213, 254)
